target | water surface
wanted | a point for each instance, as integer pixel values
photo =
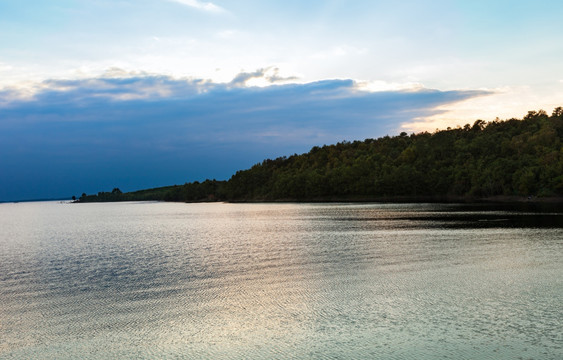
(288, 281)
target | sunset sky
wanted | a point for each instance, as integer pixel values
(143, 93)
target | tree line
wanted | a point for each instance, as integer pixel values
(516, 157)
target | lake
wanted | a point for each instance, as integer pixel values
(155, 280)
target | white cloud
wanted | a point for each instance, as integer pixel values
(5, 67)
(206, 6)
(373, 86)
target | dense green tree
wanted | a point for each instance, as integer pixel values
(510, 158)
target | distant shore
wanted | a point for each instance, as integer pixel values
(416, 199)
(387, 199)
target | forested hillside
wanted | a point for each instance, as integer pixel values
(499, 158)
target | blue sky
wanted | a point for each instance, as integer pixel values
(97, 94)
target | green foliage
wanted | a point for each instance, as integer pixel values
(510, 158)
(189, 192)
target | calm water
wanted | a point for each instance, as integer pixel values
(279, 281)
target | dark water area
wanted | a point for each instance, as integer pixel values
(479, 215)
(287, 281)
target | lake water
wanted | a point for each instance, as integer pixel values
(279, 281)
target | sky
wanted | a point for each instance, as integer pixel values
(136, 94)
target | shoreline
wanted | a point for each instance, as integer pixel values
(414, 200)
(506, 200)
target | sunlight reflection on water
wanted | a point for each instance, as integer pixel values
(158, 280)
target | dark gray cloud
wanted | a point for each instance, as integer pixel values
(142, 131)
(270, 74)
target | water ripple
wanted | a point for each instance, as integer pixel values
(324, 281)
